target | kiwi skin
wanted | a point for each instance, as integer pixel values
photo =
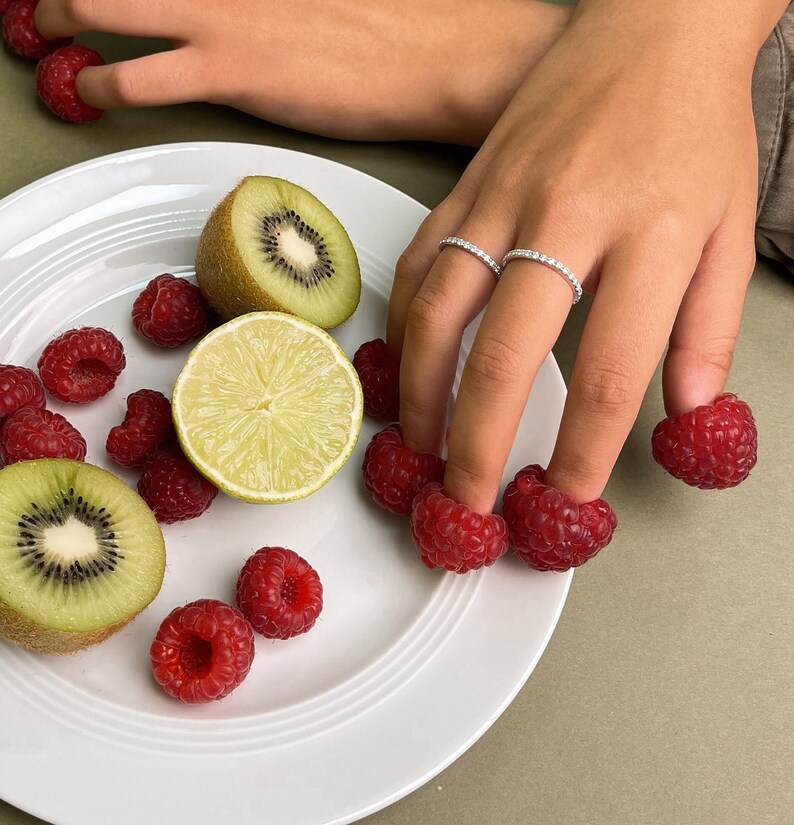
(22, 632)
(212, 258)
(217, 262)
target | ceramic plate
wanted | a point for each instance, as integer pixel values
(406, 668)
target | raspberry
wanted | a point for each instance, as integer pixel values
(173, 488)
(380, 380)
(394, 474)
(82, 364)
(31, 433)
(452, 536)
(280, 593)
(712, 447)
(19, 387)
(4, 4)
(170, 311)
(146, 426)
(20, 33)
(202, 651)
(55, 80)
(548, 529)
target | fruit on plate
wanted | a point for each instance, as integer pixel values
(170, 311)
(32, 433)
(202, 651)
(80, 555)
(453, 536)
(271, 245)
(380, 380)
(394, 474)
(81, 365)
(147, 425)
(173, 488)
(279, 593)
(268, 407)
(19, 387)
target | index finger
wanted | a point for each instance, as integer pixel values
(66, 18)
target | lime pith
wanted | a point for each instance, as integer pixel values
(268, 407)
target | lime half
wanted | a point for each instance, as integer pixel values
(268, 407)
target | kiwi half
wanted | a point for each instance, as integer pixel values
(271, 245)
(80, 555)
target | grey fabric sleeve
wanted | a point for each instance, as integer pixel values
(773, 98)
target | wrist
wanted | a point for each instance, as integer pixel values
(491, 65)
(724, 33)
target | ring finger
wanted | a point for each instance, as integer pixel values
(519, 328)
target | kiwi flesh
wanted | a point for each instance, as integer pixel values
(81, 555)
(272, 245)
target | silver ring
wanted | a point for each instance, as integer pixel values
(473, 250)
(546, 260)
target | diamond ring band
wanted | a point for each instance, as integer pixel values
(546, 260)
(472, 249)
(512, 255)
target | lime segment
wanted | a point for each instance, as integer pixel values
(268, 407)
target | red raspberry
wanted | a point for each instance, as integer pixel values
(31, 433)
(712, 447)
(170, 311)
(452, 536)
(146, 426)
(21, 35)
(19, 387)
(202, 651)
(82, 364)
(548, 529)
(280, 593)
(55, 80)
(174, 488)
(380, 380)
(4, 4)
(394, 474)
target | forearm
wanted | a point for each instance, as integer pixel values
(731, 31)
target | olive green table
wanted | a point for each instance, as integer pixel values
(665, 694)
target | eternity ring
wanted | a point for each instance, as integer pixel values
(474, 250)
(531, 255)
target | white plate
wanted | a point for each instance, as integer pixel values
(407, 667)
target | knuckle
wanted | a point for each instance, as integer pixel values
(608, 386)
(667, 225)
(124, 83)
(429, 314)
(494, 362)
(716, 354)
(412, 264)
(412, 409)
(576, 472)
(561, 202)
(468, 472)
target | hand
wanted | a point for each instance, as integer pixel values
(443, 70)
(636, 166)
